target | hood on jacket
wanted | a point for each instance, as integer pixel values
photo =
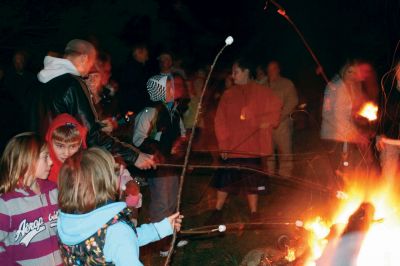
(55, 67)
(59, 121)
(75, 228)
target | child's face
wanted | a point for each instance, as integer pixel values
(44, 164)
(174, 91)
(64, 150)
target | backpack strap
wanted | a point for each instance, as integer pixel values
(123, 216)
(90, 251)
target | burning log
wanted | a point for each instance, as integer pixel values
(361, 219)
(344, 249)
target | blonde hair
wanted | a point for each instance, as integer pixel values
(86, 181)
(66, 133)
(19, 159)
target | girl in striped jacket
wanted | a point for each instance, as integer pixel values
(28, 204)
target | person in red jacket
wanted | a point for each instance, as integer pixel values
(64, 137)
(244, 120)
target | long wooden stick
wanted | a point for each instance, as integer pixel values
(278, 179)
(189, 147)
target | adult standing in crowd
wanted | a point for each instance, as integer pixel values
(132, 80)
(169, 65)
(19, 83)
(165, 63)
(341, 128)
(261, 76)
(64, 91)
(103, 91)
(282, 135)
(369, 81)
(245, 117)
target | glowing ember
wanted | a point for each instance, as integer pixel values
(291, 255)
(369, 111)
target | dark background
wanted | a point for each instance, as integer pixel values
(195, 30)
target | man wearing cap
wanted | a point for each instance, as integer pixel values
(64, 91)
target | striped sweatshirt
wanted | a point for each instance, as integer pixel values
(28, 226)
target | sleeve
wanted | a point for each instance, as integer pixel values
(152, 232)
(342, 114)
(78, 104)
(273, 110)
(327, 105)
(121, 245)
(221, 129)
(290, 102)
(129, 85)
(5, 223)
(182, 127)
(142, 126)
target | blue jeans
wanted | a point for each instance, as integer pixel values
(163, 192)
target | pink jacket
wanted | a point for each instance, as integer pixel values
(28, 226)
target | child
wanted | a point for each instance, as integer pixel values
(159, 130)
(64, 137)
(28, 204)
(93, 228)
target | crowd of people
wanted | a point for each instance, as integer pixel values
(70, 188)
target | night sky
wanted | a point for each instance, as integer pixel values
(195, 30)
(337, 30)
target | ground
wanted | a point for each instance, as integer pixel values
(285, 202)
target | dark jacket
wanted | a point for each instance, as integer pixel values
(19, 86)
(132, 94)
(69, 94)
(156, 131)
(168, 124)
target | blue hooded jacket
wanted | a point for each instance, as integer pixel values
(122, 244)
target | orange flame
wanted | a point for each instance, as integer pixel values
(379, 245)
(291, 255)
(317, 241)
(369, 111)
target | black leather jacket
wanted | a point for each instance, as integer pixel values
(69, 94)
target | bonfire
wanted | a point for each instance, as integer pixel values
(364, 230)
